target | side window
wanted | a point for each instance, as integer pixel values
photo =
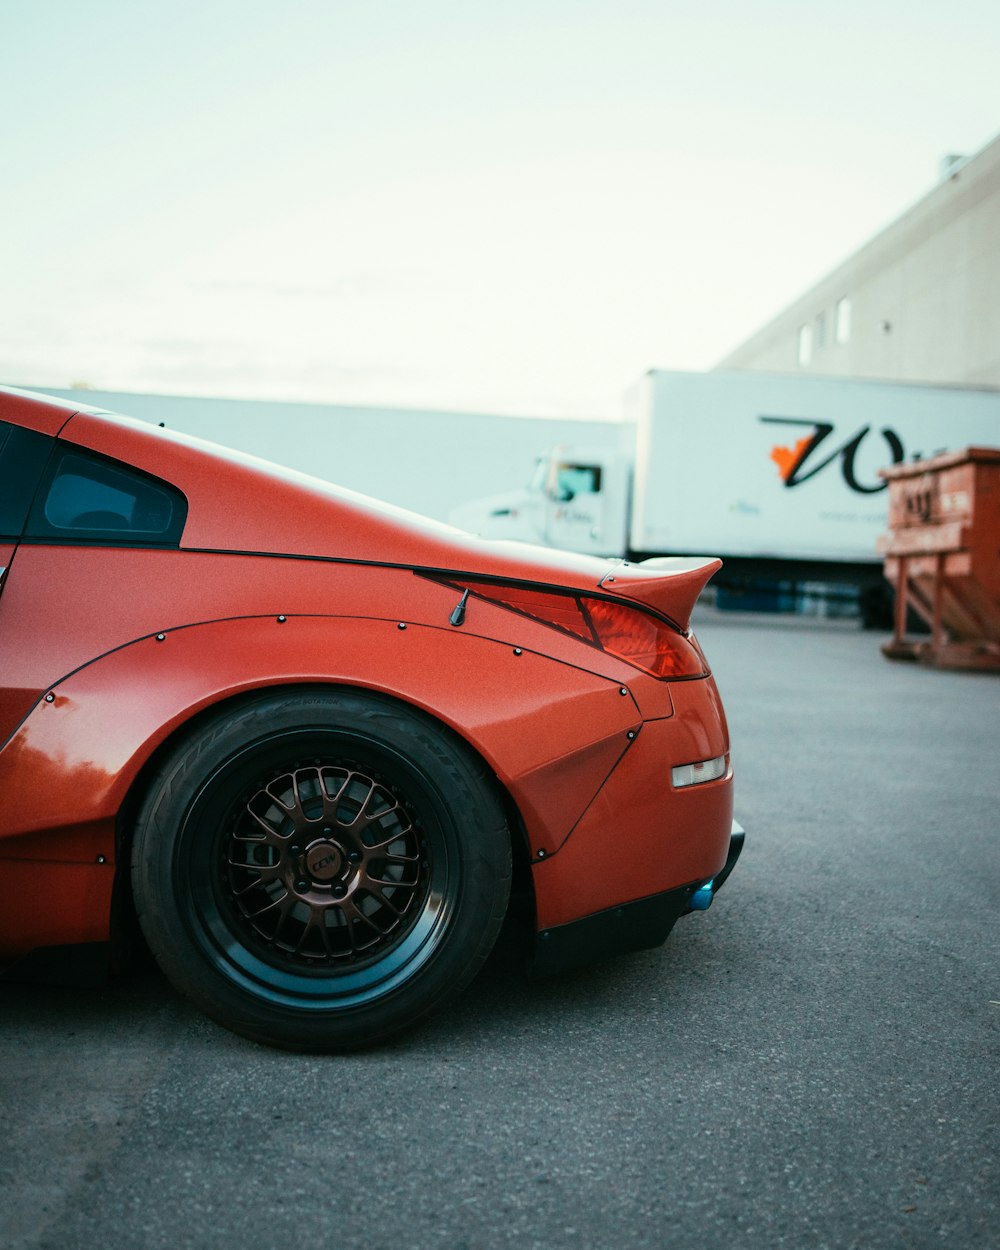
(577, 479)
(86, 498)
(23, 454)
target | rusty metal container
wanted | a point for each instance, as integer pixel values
(942, 556)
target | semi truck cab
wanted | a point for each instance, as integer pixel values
(576, 499)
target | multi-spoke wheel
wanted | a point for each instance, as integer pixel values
(319, 870)
(325, 864)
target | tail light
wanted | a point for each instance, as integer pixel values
(630, 634)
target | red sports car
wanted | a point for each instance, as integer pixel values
(309, 740)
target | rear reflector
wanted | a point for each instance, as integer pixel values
(695, 774)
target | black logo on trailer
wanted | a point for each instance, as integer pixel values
(797, 464)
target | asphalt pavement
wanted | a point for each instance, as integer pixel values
(811, 1063)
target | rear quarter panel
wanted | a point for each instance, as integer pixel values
(550, 731)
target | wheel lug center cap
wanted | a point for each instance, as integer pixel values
(324, 861)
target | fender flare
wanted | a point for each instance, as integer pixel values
(551, 733)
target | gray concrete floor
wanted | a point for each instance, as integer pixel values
(812, 1063)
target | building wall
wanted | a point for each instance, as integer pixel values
(923, 296)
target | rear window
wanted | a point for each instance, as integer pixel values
(89, 499)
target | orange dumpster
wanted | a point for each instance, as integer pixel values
(942, 557)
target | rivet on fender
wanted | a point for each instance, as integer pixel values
(401, 625)
(518, 651)
(50, 698)
(161, 637)
(282, 619)
(631, 734)
(623, 690)
(101, 859)
(541, 853)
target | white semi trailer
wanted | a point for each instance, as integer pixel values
(777, 474)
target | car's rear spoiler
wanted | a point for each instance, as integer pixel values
(670, 585)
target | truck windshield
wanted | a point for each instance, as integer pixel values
(539, 475)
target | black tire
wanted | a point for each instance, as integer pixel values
(319, 870)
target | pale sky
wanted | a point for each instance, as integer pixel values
(511, 207)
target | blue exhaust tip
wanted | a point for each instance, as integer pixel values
(701, 899)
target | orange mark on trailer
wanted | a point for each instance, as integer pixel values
(787, 458)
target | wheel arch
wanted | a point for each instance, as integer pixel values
(141, 784)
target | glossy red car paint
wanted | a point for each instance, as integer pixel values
(119, 649)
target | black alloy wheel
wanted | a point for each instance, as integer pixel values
(320, 869)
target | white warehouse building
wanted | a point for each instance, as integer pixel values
(920, 302)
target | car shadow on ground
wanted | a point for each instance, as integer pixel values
(503, 998)
(142, 1000)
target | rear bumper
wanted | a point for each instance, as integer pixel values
(635, 926)
(702, 897)
(736, 840)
